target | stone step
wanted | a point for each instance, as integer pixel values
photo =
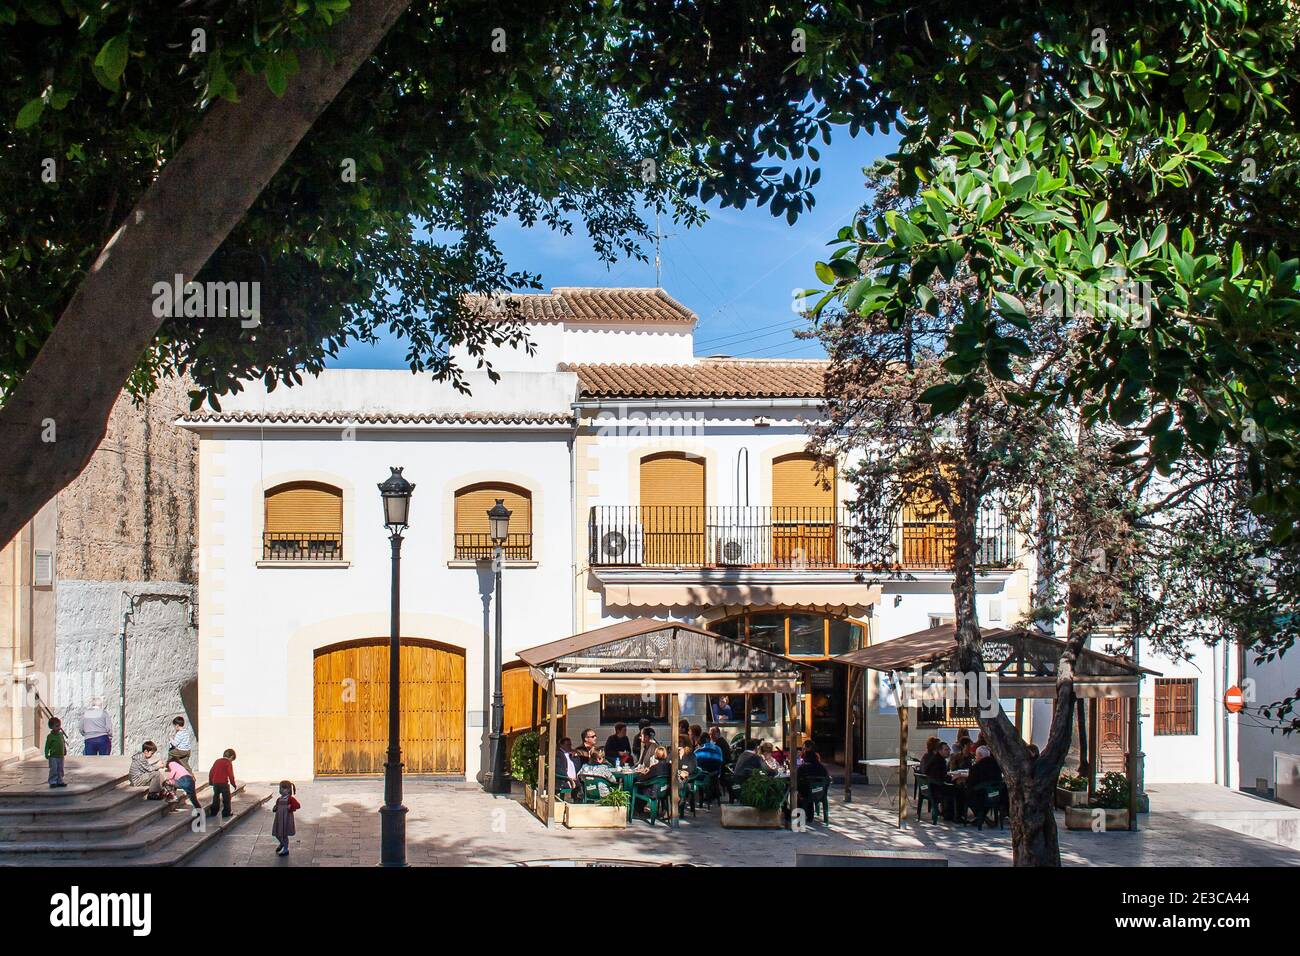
(163, 840)
(129, 813)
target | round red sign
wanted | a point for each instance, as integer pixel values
(1233, 699)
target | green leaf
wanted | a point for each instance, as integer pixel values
(943, 398)
(112, 57)
(30, 113)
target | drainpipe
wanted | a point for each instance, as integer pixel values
(1227, 743)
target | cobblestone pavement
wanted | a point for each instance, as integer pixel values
(457, 824)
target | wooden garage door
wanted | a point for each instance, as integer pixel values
(351, 701)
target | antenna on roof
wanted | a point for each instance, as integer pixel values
(659, 243)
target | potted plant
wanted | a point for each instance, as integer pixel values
(523, 764)
(1071, 790)
(608, 813)
(1108, 809)
(761, 799)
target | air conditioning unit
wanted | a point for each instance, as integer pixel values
(731, 551)
(620, 545)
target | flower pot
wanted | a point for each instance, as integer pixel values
(1095, 819)
(1070, 798)
(592, 816)
(739, 817)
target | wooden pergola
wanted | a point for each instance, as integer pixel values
(1023, 663)
(644, 655)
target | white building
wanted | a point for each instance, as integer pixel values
(644, 481)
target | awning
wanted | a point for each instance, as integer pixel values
(826, 598)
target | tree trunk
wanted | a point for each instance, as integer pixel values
(56, 417)
(1033, 823)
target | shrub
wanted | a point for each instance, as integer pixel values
(615, 798)
(763, 792)
(1112, 792)
(523, 758)
(1072, 781)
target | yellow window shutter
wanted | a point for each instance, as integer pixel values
(796, 483)
(304, 506)
(672, 479)
(473, 503)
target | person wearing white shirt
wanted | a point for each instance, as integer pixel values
(97, 730)
(181, 744)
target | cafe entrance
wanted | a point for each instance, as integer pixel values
(812, 639)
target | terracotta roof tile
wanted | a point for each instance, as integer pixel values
(207, 416)
(707, 378)
(574, 304)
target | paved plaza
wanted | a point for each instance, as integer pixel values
(457, 824)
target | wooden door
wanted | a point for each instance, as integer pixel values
(351, 708)
(803, 512)
(672, 510)
(1112, 742)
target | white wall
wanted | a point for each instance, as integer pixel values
(263, 622)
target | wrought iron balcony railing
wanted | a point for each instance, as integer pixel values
(302, 546)
(477, 546)
(727, 536)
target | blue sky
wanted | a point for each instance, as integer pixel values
(736, 271)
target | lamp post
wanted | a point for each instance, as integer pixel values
(396, 492)
(499, 525)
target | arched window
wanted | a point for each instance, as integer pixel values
(303, 522)
(473, 534)
(803, 512)
(672, 509)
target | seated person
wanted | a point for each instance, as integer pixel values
(934, 766)
(600, 771)
(708, 756)
(566, 768)
(962, 758)
(584, 754)
(147, 771)
(812, 769)
(767, 758)
(985, 771)
(618, 744)
(648, 745)
(935, 763)
(746, 763)
(685, 757)
(719, 741)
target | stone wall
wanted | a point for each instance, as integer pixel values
(130, 516)
(161, 656)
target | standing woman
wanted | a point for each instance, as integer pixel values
(97, 729)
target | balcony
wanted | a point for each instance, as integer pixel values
(477, 546)
(726, 536)
(302, 546)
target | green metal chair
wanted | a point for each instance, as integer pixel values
(927, 792)
(985, 797)
(591, 787)
(819, 792)
(698, 786)
(653, 796)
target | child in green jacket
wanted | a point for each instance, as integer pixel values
(56, 748)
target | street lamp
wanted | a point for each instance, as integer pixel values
(396, 492)
(499, 526)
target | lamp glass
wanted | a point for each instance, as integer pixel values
(499, 521)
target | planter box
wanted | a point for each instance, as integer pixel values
(739, 817)
(530, 797)
(1070, 798)
(1088, 818)
(592, 816)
